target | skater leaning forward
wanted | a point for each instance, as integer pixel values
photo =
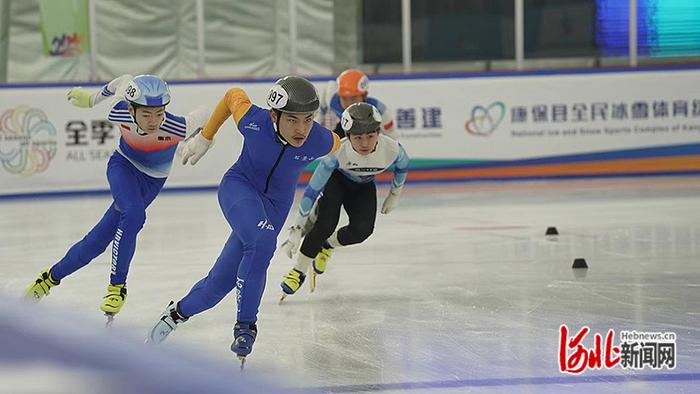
(346, 179)
(136, 173)
(255, 196)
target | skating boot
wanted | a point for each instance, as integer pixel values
(319, 264)
(244, 334)
(321, 260)
(114, 300)
(291, 283)
(40, 287)
(167, 323)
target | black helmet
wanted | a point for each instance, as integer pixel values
(293, 94)
(361, 118)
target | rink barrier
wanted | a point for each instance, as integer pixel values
(658, 161)
(382, 180)
(461, 127)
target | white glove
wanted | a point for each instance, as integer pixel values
(195, 147)
(391, 201)
(291, 245)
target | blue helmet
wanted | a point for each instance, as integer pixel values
(147, 91)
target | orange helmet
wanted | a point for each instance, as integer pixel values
(352, 82)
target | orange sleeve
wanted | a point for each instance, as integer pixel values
(336, 143)
(235, 102)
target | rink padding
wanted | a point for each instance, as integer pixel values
(455, 127)
(666, 160)
(662, 165)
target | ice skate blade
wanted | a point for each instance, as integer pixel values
(282, 297)
(242, 358)
(312, 282)
(110, 319)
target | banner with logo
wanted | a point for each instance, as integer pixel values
(526, 117)
(641, 122)
(616, 123)
(64, 27)
(47, 145)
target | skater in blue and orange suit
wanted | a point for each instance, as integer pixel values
(255, 196)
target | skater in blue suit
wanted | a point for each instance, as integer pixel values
(255, 196)
(136, 173)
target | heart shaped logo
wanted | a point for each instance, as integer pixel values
(484, 120)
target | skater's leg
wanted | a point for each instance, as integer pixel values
(221, 279)
(237, 200)
(361, 206)
(259, 245)
(133, 191)
(328, 216)
(91, 246)
(327, 210)
(257, 223)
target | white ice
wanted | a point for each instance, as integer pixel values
(458, 290)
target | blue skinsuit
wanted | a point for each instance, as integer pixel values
(255, 196)
(136, 173)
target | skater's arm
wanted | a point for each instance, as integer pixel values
(81, 97)
(234, 103)
(336, 143)
(400, 170)
(318, 181)
(186, 126)
(325, 142)
(116, 88)
(196, 119)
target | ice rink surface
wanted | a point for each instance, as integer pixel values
(458, 290)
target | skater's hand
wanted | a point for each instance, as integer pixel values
(391, 201)
(291, 245)
(80, 97)
(195, 147)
